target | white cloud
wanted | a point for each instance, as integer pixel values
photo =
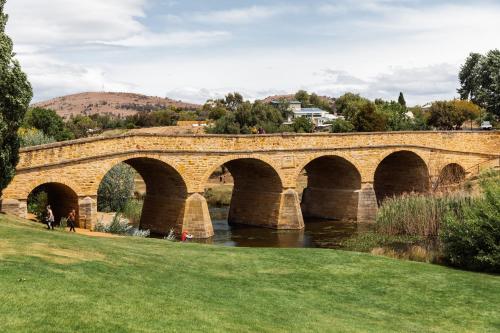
(53, 77)
(71, 22)
(181, 38)
(243, 15)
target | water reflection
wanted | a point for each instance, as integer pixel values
(317, 233)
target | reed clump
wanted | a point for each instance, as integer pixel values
(419, 214)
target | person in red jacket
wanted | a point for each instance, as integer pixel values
(185, 236)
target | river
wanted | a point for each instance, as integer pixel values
(317, 233)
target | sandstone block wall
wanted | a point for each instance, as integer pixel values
(264, 167)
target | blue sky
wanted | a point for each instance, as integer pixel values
(195, 50)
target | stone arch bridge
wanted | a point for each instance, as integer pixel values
(348, 174)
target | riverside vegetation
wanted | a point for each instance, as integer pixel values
(461, 229)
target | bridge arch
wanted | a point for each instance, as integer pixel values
(60, 197)
(450, 175)
(332, 189)
(257, 190)
(166, 192)
(401, 172)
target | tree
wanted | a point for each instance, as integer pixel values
(81, 126)
(49, 122)
(396, 114)
(401, 100)
(15, 97)
(303, 125)
(116, 189)
(367, 119)
(349, 105)
(449, 115)
(442, 115)
(303, 97)
(480, 80)
(465, 110)
(341, 126)
(233, 101)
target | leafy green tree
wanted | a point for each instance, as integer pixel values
(233, 101)
(81, 126)
(401, 100)
(116, 189)
(49, 122)
(349, 105)
(442, 115)
(342, 126)
(303, 97)
(466, 110)
(15, 97)
(302, 125)
(225, 125)
(396, 115)
(449, 115)
(367, 119)
(480, 80)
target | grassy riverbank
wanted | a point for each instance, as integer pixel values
(61, 282)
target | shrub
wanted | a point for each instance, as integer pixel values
(116, 189)
(341, 126)
(472, 240)
(120, 226)
(37, 204)
(33, 137)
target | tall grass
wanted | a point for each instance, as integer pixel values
(419, 214)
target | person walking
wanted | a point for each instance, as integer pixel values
(50, 218)
(71, 220)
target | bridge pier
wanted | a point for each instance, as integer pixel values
(367, 204)
(266, 209)
(331, 204)
(87, 213)
(197, 217)
(14, 207)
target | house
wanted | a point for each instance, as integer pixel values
(319, 117)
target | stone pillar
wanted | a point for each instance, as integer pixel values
(290, 215)
(14, 207)
(367, 205)
(197, 217)
(87, 213)
(330, 204)
(273, 210)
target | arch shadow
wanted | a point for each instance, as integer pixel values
(401, 172)
(60, 197)
(332, 189)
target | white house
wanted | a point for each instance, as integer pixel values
(320, 118)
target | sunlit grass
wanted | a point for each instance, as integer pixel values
(57, 281)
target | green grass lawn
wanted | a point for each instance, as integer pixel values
(61, 282)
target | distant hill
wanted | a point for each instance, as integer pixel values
(123, 104)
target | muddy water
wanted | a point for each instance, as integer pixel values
(317, 233)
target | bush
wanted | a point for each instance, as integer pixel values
(472, 241)
(33, 137)
(120, 226)
(341, 126)
(219, 196)
(116, 189)
(37, 204)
